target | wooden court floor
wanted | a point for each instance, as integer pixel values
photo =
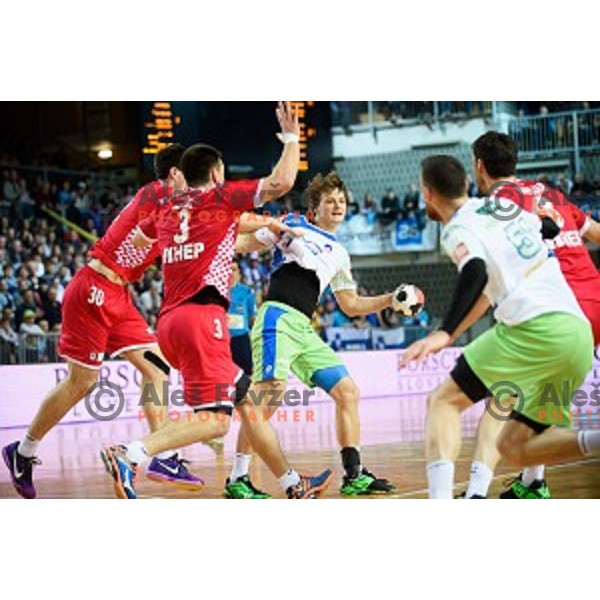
(82, 475)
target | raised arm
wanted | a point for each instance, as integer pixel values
(283, 177)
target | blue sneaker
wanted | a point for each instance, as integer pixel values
(122, 470)
(21, 470)
(310, 488)
(173, 470)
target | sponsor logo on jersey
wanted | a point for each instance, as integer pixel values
(460, 252)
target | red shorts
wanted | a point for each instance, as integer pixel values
(99, 317)
(195, 340)
(591, 308)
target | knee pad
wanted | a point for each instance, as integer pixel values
(157, 361)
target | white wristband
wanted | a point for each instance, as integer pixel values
(266, 237)
(288, 138)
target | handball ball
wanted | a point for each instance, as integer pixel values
(408, 300)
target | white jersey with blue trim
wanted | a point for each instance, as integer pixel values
(317, 250)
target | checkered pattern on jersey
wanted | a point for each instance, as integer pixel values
(128, 256)
(219, 273)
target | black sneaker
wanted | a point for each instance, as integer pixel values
(243, 489)
(21, 470)
(517, 490)
(365, 484)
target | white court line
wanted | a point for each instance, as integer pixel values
(503, 476)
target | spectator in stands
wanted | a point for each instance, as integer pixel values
(252, 275)
(389, 318)
(6, 298)
(9, 342)
(369, 209)
(336, 343)
(51, 308)
(150, 300)
(25, 204)
(32, 335)
(36, 266)
(582, 187)
(339, 318)
(45, 196)
(563, 184)
(9, 313)
(11, 281)
(45, 353)
(65, 197)
(16, 253)
(327, 316)
(81, 203)
(27, 304)
(10, 189)
(411, 199)
(353, 207)
(390, 207)
(361, 322)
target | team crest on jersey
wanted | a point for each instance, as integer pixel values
(460, 252)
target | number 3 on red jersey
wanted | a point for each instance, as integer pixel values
(184, 227)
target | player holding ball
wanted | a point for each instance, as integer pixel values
(283, 339)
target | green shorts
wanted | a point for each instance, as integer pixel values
(543, 360)
(283, 340)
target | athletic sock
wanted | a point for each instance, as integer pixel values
(351, 462)
(531, 474)
(440, 477)
(166, 455)
(28, 446)
(481, 478)
(241, 466)
(137, 453)
(288, 479)
(589, 441)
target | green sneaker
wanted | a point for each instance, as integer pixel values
(365, 484)
(538, 490)
(242, 489)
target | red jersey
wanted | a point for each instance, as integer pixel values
(196, 234)
(115, 248)
(575, 260)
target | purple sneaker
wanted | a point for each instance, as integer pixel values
(174, 471)
(21, 470)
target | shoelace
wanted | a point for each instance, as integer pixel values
(182, 461)
(252, 487)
